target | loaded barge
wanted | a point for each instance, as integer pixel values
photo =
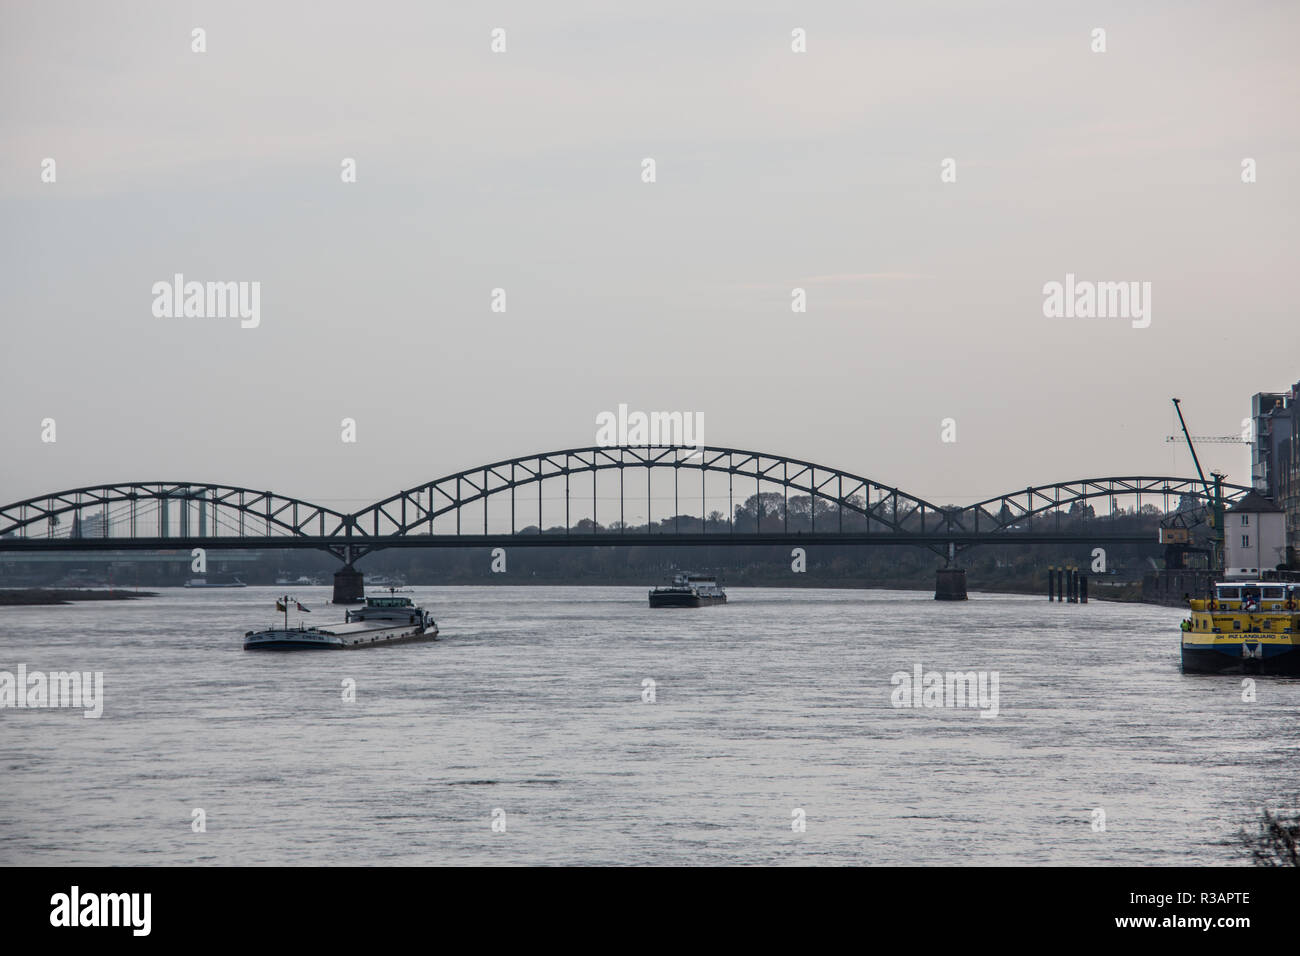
(389, 619)
(689, 590)
(1247, 627)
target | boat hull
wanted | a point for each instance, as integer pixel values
(320, 640)
(1242, 655)
(672, 599)
(272, 644)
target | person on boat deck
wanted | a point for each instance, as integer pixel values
(1185, 624)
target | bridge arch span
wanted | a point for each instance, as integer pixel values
(1015, 510)
(832, 496)
(164, 509)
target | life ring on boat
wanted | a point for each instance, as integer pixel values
(1290, 605)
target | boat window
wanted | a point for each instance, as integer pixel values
(1229, 594)
(1272, 594)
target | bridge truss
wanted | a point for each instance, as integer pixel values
(661, 495)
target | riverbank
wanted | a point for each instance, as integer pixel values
(1129, 592)
(14, 597)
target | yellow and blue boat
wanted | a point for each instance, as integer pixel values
(1247, 627)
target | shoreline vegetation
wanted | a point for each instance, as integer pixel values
(23, 597)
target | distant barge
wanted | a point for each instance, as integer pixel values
(390, 619)
(689, 590)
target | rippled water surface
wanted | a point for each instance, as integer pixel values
(532, 704)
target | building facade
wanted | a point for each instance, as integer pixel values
(1254, 532)
(1275, 460)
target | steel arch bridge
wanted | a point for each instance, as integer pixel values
(409, 511)
(159, 514)
(560, 498)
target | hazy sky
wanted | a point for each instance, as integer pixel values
(522, 170)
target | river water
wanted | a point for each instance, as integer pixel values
(530, 712)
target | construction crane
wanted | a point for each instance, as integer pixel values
(1215, 497)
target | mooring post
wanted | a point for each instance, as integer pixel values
(1083, 589)
(1051, 583)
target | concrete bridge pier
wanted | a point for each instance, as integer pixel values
(349, 586)
(950, 584)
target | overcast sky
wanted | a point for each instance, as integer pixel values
(522, 170)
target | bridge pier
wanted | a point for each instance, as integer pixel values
(950, 584)
(349, 586)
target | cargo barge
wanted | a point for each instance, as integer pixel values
(388, 619)
(689, 590)
(1247, 627)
